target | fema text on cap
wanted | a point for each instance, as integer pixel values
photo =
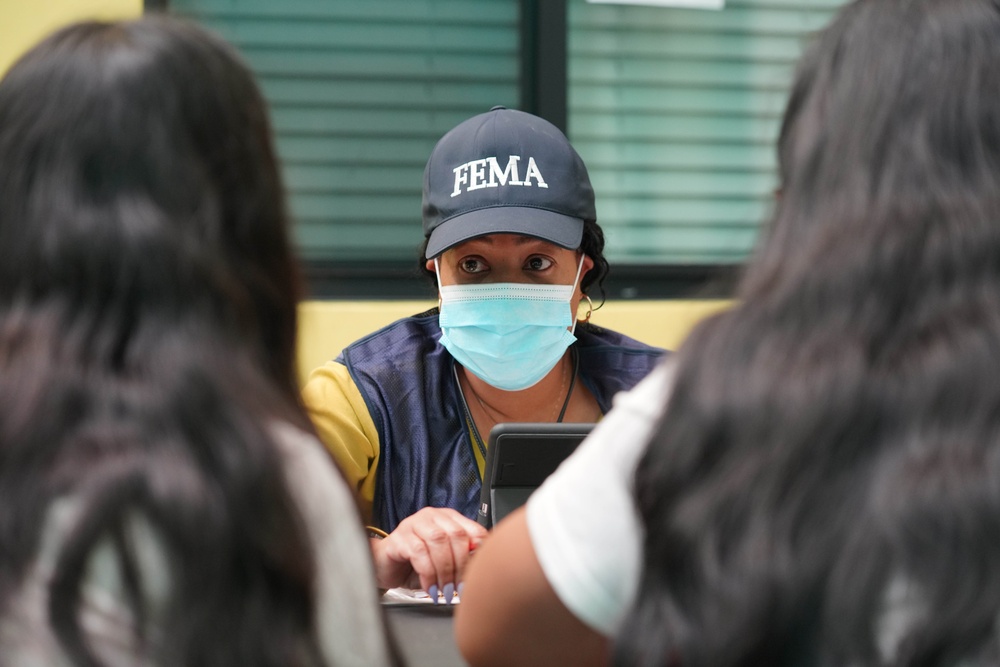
(476, 175)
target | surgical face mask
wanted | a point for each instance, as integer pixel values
(510, 335)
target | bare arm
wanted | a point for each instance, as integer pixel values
(510, 615)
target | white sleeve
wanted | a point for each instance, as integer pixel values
(582, 520)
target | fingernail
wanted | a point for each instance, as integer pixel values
(449, 591)
(433, 592)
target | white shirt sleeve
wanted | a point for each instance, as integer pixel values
(582, 521)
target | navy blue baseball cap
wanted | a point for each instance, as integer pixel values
(505, 171)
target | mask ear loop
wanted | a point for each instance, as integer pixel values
(437, 277)
(579, 269)
(573, 353)
(576, 280)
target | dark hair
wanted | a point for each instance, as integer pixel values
(137, 143)
(592, 245)
(921, 558)
(147, 330)
(868, 320)
(189, 458)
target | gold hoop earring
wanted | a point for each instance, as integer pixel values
(590, 308)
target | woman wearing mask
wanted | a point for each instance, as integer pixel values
(512, 241)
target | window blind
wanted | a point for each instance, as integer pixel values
(359, 93)
(676, 113)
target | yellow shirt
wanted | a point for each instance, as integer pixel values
(346, 428)
(348, 431)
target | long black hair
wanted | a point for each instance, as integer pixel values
(186, 458)
(127, 146)
(147, 329)
(868, 320)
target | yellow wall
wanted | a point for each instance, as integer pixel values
(24, 22)
(326, 327)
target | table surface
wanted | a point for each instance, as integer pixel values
(424, 634)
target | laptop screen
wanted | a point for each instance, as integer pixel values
(519, 456)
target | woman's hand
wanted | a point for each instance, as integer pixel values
(429, 550)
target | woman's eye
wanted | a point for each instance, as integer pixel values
(537, 263)
(473, 265)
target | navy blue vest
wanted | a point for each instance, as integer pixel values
(408, 384)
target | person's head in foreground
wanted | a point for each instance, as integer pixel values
(127, 147)
(822, 489)
(511, 235)
(147, 322)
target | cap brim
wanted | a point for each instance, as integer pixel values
(557, 228)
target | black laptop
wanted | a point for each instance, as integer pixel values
(519, 456)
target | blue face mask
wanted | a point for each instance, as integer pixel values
(510, 335)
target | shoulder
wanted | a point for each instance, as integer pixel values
(313, 480)
(348, 614)
(331, 388)
(336, 404)
(611, 362)
(592, 335)
(416, 331)
(648, 398)
(598, 343)
(404, 355)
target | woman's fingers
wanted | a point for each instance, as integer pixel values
(437, 543)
